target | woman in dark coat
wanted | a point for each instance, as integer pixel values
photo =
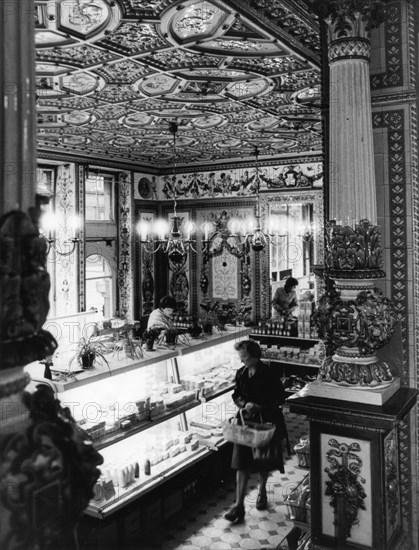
(259, 393)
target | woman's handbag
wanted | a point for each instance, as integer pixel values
(249, 434)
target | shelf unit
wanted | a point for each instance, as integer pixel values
(292, 368)
(140, 413)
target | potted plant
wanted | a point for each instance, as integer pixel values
(170, 336)
(150, 336)
(89, 352)
(132, 346)
(213, 315)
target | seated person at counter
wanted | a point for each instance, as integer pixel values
(285, 300)
(162, 316)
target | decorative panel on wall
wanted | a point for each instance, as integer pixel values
(125, 272)
(145, 270)
(346, 463)
(66, 267)
(80, 193)
(226, 272)
(179, 274)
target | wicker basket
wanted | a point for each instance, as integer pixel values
(249, 434)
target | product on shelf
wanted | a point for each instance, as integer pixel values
(122, 474)
(313, 355)
(282, 326)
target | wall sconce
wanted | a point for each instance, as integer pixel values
(49, 224)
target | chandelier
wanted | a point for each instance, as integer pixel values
(169, 240)
(252, 234)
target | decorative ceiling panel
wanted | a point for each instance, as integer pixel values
(113, 74)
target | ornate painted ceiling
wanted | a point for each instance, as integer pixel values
(112, 75)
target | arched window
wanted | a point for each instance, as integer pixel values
(99, 285)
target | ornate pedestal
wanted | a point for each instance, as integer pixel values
(355, 470)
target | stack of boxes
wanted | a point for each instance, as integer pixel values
(305, 328)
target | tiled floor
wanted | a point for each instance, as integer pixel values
(203, 526)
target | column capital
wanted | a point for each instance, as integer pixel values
(350, 19)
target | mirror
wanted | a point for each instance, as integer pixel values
(297, 220)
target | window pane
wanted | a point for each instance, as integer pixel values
(99, 204)
(99, 285)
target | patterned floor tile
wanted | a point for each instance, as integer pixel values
(203, 526)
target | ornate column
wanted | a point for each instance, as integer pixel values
(17, 112)
(356, 405)
(351, 155)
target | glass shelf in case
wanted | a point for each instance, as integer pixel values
(134, 466)
(117, 407)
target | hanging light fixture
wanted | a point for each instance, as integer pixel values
(252, 235)
(170, 242)
(258, 240)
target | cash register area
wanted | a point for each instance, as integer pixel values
(202, 525)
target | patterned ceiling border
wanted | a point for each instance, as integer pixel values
(265, 10)
(57, 157)
(393, 73)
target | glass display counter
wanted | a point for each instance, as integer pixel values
(149, 417)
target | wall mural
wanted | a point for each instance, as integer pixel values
(228, 183)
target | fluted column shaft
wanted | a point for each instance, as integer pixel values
(352, 194)
(351, 164)
(17, 111)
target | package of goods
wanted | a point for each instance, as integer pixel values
(174, 451)
(185, 438)
(193, 445)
